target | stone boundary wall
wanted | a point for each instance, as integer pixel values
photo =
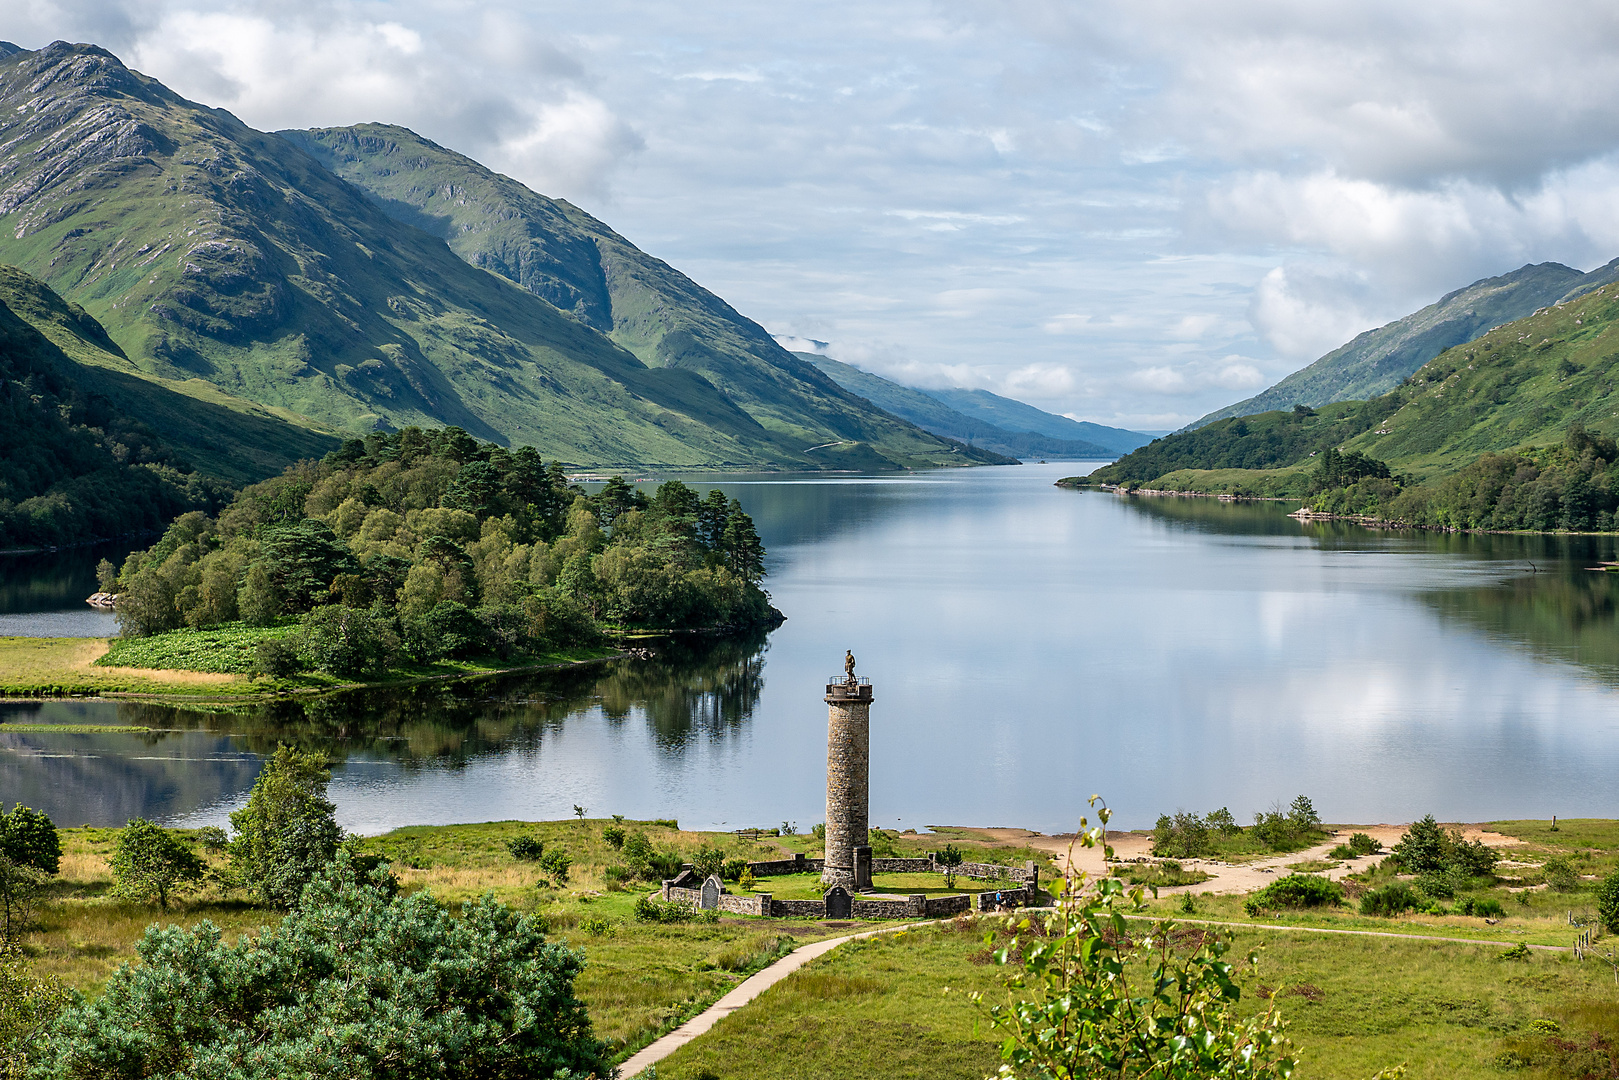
(799, 864)
(979, 871)
(917, 906)
(911, 907)
(800, 909)
(1019, 897)
(960, 904)
(982, 871)
(903, 866)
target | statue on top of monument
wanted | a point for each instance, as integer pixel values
(848, 664)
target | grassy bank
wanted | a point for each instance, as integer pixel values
(207, 665)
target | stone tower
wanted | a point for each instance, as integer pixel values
(848, 766)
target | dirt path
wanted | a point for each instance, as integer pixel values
(1226, 878)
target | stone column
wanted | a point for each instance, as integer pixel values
(848, 765)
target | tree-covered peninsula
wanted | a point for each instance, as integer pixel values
(421, 546)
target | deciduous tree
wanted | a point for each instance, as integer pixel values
(151, 863)
(288, 830)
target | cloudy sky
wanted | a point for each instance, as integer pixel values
(1127, 212)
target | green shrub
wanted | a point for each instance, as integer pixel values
(555, 865)
(614, 877)
(1343, 851)
(598, 926)
(266, 999)
(650, 909)
(614, 835)
(636, 847)
(28, 838)
(666, 823)
(1560, 874)
(21, 888)
(1435, 885)
(347, 642)
(1183, 836)
(1300, 891)
(1389, 900)
(733, 868)
(1484, 907)
(662, 865)
(525, 848)
(151, 863)
(1222, 822)
(28, 1005)
(708, 861)
(1362, 844)
(950, 856)
(276, 658)
(819, 831)
(1608, 902)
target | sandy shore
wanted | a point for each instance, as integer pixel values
(1227, 877)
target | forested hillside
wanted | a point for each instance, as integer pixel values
(89, 449)
(1375, 361)
(227, 259)
(1513, 430)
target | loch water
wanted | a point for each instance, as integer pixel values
(1029, 646)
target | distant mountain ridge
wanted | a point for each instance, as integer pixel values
(235, 266)
(927, 410)
(1376, 360)
(1014, 415)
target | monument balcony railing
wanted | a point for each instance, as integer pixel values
(849, 688)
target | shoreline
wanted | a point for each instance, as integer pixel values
(81, 680)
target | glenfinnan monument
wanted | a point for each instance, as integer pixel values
(848, 767)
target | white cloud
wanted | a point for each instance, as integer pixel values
(488, 85)
(1139, 209)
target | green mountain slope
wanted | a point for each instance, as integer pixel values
(75, 463)
(560, 253)
(1520, 386)
(1375, 361)
(933, 415)
(214, 252)
(219, 436)
(1017, 416)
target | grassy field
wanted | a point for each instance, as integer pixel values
(205, 665)
(897, 1008)
(50, 667)
(641, 980)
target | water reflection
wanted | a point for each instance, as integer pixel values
(1029, 644)
(189, 760)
